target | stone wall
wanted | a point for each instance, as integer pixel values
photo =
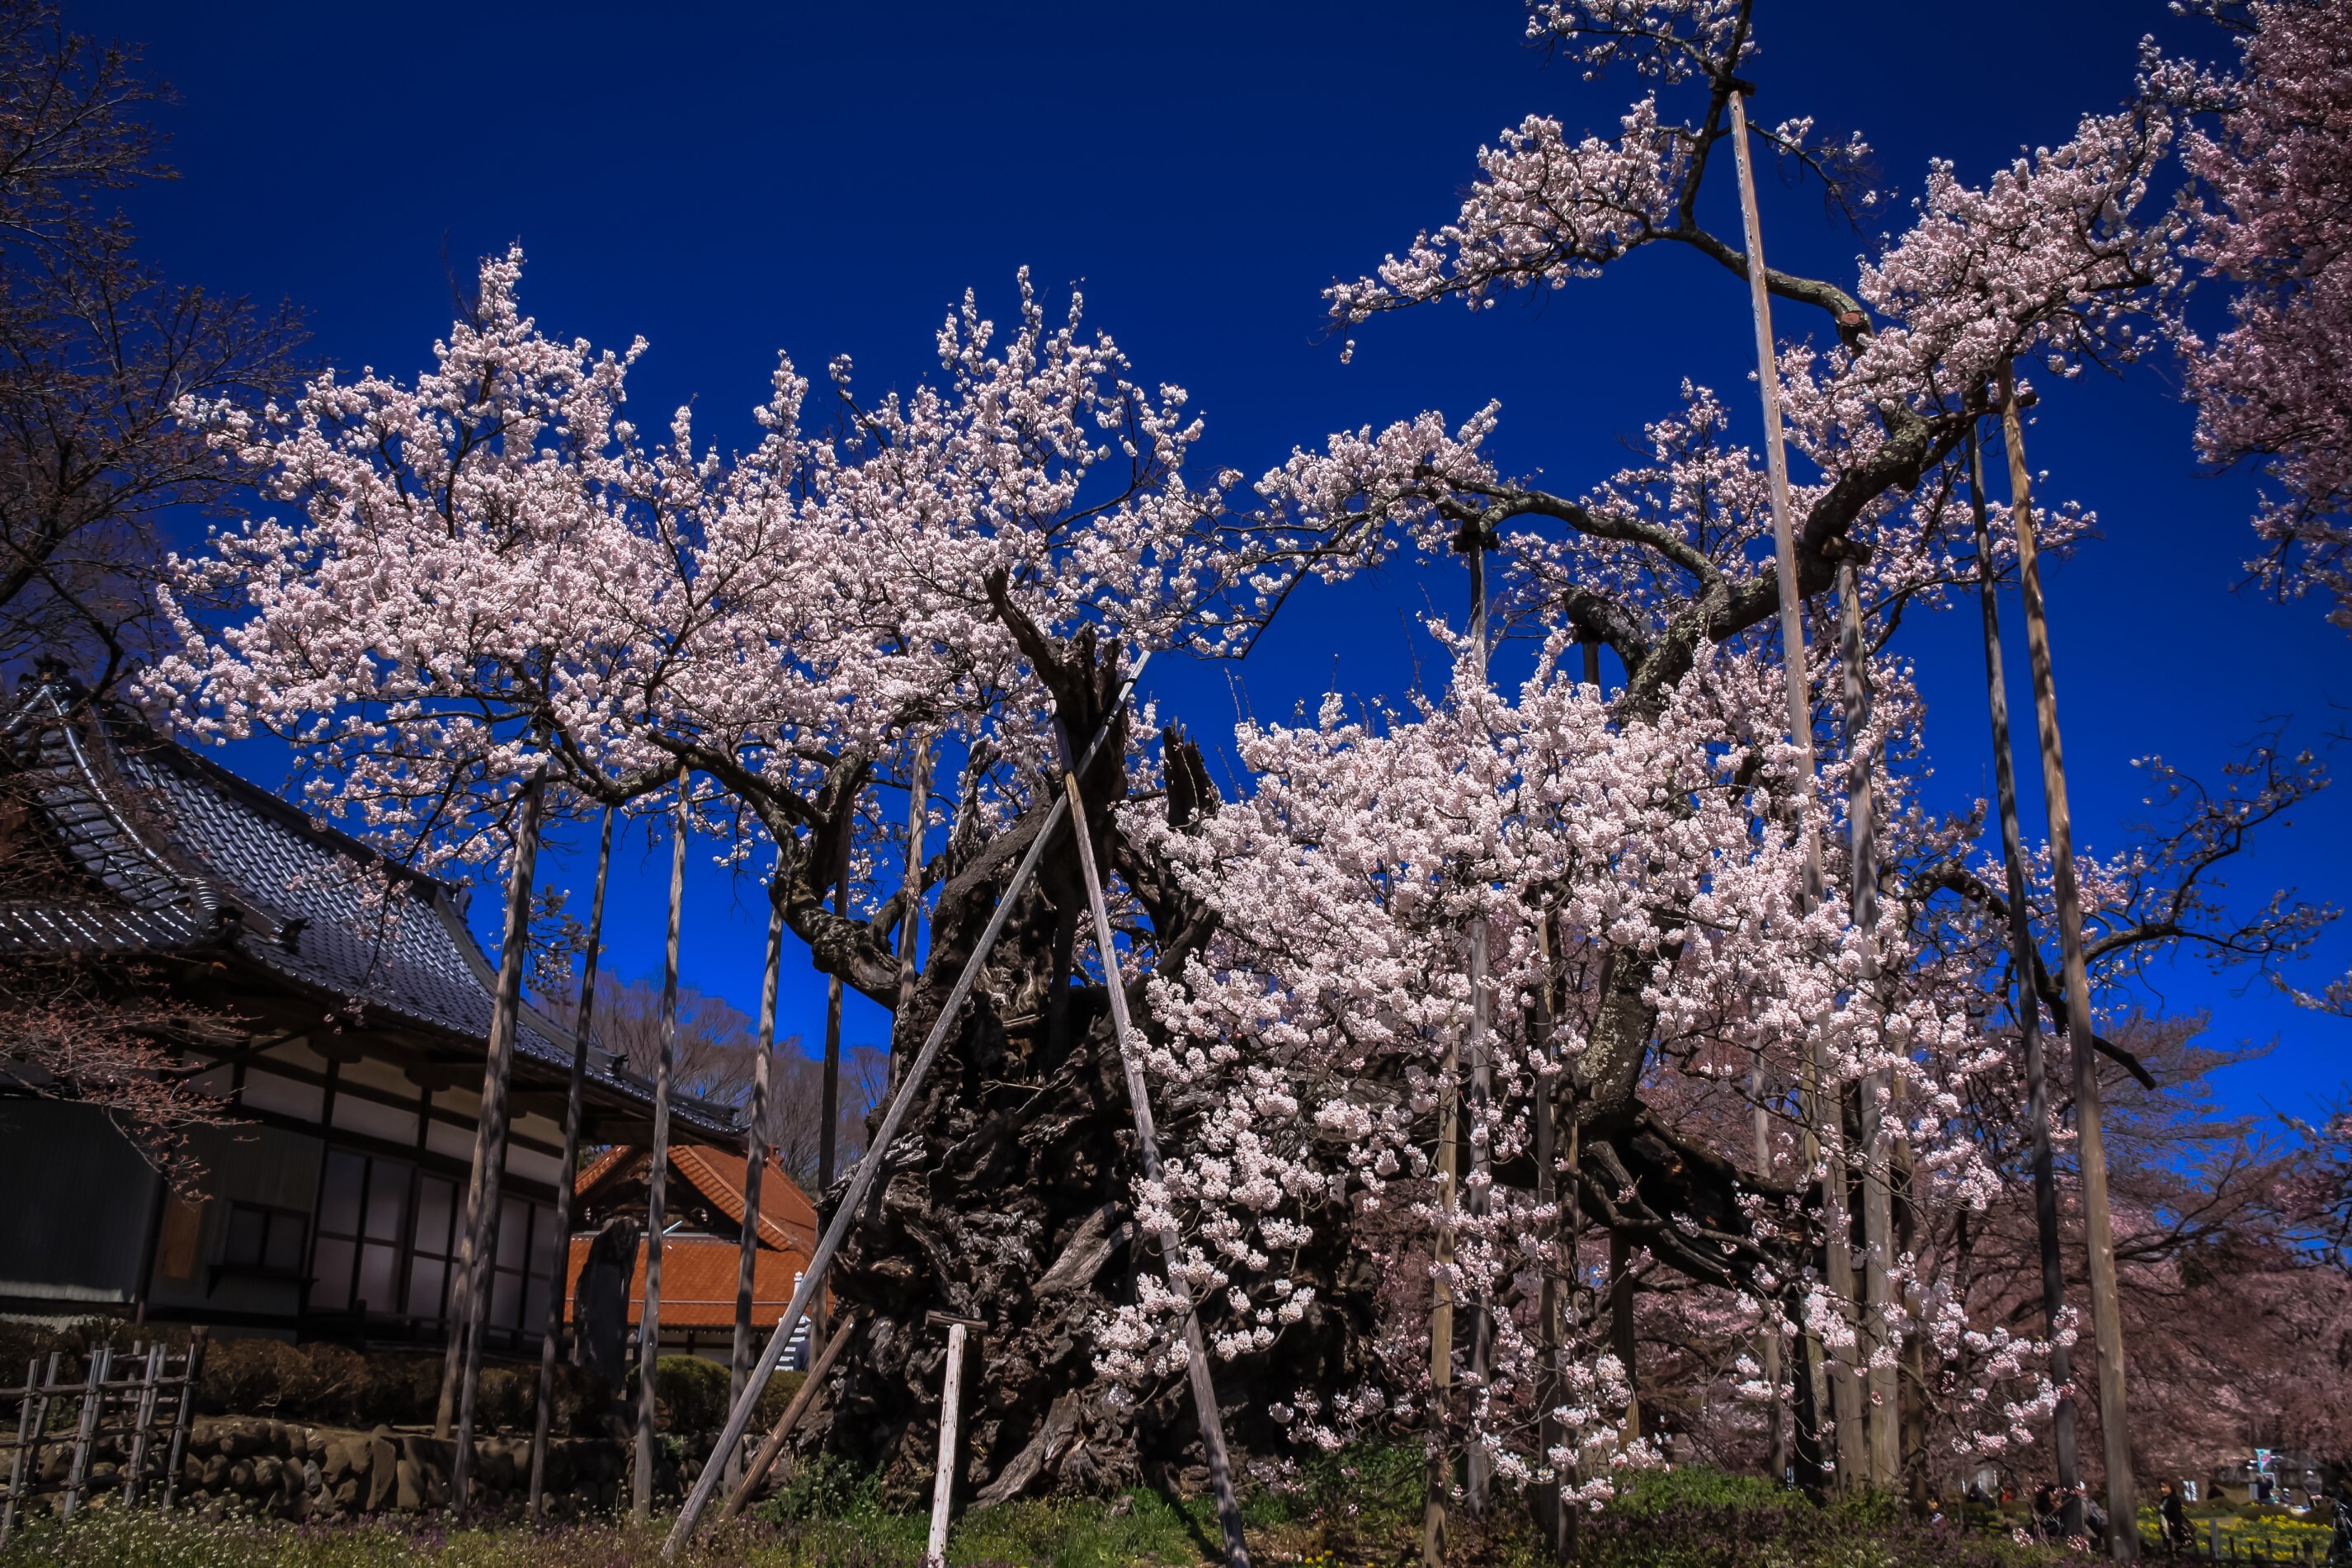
(247, 1466)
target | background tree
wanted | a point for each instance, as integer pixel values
(97, 349)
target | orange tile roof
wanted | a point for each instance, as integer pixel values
(602, 1166)
(787, 1218)
(698, 1279)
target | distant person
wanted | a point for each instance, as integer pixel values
(2173, 1516)
(1936, 1521)
(2046, 1521)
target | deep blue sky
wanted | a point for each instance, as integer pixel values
(733, 180)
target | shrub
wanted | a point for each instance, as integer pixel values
(690, 1394)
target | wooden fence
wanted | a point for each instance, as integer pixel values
(137, 1404)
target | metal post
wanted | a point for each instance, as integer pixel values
(877, 1157)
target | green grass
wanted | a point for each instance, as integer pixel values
(1356, 1510)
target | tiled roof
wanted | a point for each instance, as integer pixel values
(185, 854)
(699, 1279)
(787, 1218)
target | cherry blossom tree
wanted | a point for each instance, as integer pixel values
(2274, 178)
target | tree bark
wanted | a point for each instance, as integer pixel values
(2123, 1533)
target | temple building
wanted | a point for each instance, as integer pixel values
(342, 1009)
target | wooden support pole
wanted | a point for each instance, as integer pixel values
(488, 1169)
(151, 1375)
(641, 1495)
(1437, 1480)
(935, 1552)
(910, 918)
(828, 1131)
(755, 1158)
(1480, 1464)
(1555, 1519)
(1824, 1126)
(1768, 1344)
(28, 1432)
(1885, 1449)
(183, 1417)
(2090, 1141)
(582, 1030)
(2028, 1009)
(490, 1132)
(765, 1460)
(1205, 1408)
(877, 1157)
(93, 1395)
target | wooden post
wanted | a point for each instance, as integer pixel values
(1555, 1521)
(490, 1134)
(1479, 1463)
(1438, 1479)
(641, 1502)
(1768, 1344)
(846, 809)
(36, 1396)
(184, 1415)
(2028, 1009)
(152, 1375)
(935, 1553)
(543, 1411)
(1205, 1408)
(919, 805)
(755, 1161)
(1877, 1203)
(1824, 1127)
(902, 1099)
(774, 1446)
(2123, 1508)
(93, 1395)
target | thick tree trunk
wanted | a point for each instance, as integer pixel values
(1008, 1198)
